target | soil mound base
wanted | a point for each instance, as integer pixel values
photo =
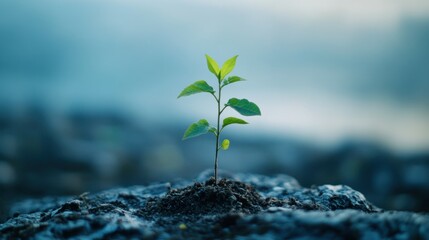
(228, 196)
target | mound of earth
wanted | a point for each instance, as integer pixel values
(227, 196)
(240, 206)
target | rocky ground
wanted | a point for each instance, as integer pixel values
(240, 206)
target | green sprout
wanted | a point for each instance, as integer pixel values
(242, 106)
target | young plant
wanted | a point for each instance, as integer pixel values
(242, 106)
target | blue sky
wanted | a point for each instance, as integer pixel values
(321, 71)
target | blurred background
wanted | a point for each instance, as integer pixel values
(88, 94)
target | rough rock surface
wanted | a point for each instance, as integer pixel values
(241, 206)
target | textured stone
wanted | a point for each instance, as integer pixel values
(246, 206)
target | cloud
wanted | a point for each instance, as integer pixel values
(348, 13)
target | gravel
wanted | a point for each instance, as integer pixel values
(240, 206)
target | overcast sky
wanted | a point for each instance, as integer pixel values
(320, 70)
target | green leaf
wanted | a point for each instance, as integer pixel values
(225, 144)
(212, 65)
(196, 87)
(244, 107)
(196, 129)
(232, 120)
(227, 67)
(232, 79)
(213, 130)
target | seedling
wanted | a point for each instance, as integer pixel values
(242, 106)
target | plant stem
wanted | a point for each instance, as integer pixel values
(218, 133)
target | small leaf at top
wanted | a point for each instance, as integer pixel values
(212, 65)
(232, 120)
(196, 129)
(225, 144)
(227, 67)
(196, 87)
(244, 107)
(232, 79)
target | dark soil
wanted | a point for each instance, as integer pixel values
(228, 196)
(244, 206)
